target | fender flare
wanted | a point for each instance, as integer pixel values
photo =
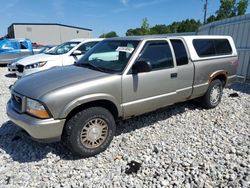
(89, 98)
(218, 73)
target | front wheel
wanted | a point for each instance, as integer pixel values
(213, 95)
(89, 132)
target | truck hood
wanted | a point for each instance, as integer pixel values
(38, 58)
(37, 85)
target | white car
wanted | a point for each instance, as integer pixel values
(12, 64)
(64, 54)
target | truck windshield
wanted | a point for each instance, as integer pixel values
(63, 48)
(109, 56)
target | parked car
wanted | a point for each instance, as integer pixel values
(118, 79)
(12, 64)
(37, 47)
(64, 54)
(11, 49)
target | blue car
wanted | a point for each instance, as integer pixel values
(11, 49)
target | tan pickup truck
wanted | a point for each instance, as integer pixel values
(117, 79)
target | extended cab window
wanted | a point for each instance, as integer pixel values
(180, 52)
(158, 53)
(212, 47)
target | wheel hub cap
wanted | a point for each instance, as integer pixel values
(215, 95)
(94, 133)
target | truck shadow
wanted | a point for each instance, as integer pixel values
(15, 142)
(21, 148)
(151, 118)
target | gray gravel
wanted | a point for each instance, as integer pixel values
(180, 146)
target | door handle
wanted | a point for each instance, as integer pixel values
(173, 75)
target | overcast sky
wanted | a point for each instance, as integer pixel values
(102, 15)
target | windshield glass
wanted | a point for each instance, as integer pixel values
(63, 48)
(109, 56)
(8, 45)
(45, 49)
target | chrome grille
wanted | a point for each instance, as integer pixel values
(17, 102)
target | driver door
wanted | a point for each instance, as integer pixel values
(147, 91)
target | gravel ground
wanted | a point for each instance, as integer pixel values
(180, 146)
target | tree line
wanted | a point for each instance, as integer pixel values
(227, 9)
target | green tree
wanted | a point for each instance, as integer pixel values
(188, 25)
(145, 29)
(211, 19)
(134, 32)
(228, 9)
(110, 34)
(242, 7)
(174, 27)
(160, 29)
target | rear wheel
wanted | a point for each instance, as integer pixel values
(89, 132)
(213, 95)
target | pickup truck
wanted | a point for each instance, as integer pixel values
(11, 49)
(120, 78)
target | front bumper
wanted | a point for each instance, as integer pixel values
(43, 130)
(27, 72)
(11, 69)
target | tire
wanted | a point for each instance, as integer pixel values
(89, 132)
(213, 95)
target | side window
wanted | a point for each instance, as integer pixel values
(212, 47)
(204, 47)
(222, 47)
(23, 45)
(86, 47)
(10, 45)
(180, 52)
(158, 53)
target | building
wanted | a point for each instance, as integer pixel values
(239, 28)
(47, 33)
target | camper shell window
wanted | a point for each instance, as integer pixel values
(212, 47)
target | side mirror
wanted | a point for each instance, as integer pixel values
(141, 66)
(76, 52)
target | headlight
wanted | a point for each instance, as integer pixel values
(36, 65)
(35, 108)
